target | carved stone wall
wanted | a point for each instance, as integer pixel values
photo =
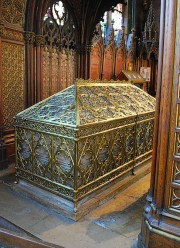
(12, 81)
(12, 60)
(12, 70)
(12, 12)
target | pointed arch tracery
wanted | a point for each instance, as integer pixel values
(50, 48)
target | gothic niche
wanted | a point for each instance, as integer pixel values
(96, 54)
(108, 45)
(148, 50)
(58, 66)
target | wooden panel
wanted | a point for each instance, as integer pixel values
(95, 63)
(130, 62)
(160, 227)
(108, 64)
(58, 69)
(119, 61)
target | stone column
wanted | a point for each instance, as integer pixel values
(39, 41)
(161, 217)
(3, 156)
(1, 35)
(30, 69)
(83, 60)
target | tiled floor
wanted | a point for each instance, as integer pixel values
(115, 224)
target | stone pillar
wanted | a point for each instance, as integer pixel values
(1, 34)
(161, 223)
(39, 41)
(83, 60)
(3, 156)
(30, 69)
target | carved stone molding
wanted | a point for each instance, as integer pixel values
(80, 48)
(88, 48)
(83, 48)
(97, 36)
(121, 43)
(39, 40)
(109, 41)
(29, 38)
(1, 29)
(14, 35)
(131, 48)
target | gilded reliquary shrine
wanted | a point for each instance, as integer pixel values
(84, 137)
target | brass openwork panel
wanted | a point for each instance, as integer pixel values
(84, 137)
(24, 149)
(50, 128)
(12, 81)
(101, 154)
(175, 177)
(57, 109)
(175, 198)
(175, 191)
(64, 161)
(144, 138)
(102, 102)
(46, 158)
(46, 87)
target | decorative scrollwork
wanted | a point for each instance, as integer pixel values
(95, 103)
(177, 172)
(1, 29)
(175, 184)
(13, 35)
(49, 111)
(175, 201)
(29, 37)
(12, 83)
(98, 103)
(39, 39)
(13, 11)
(144, 140)
(47, 159)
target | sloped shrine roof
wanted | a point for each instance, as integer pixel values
(91, 102)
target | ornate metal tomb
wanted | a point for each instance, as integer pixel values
(84, 137)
